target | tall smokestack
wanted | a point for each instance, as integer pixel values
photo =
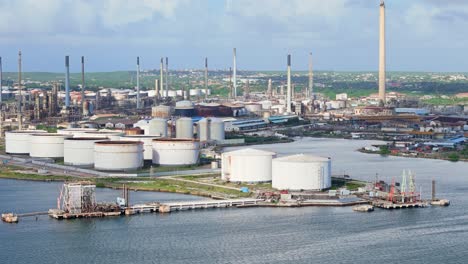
(382, 53)
(234, 77)
(138, 83)
(230, 82)
(82, 85)
(167, 76)
(269, 91)
(67, 81)
(20, 99)
(310, 91)
(289, 92)
(156, 89)
(206, 78)
(1, 80)
(161, 77)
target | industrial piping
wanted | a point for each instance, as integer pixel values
(1, 80)
(82, 86)
(161, 72)
(234, 77)
(167, 76)
(288, 96)
(67, 81)
(206, 78)
(138, 83)
(382, 53)
(310, 92)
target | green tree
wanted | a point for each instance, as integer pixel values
(454, 157)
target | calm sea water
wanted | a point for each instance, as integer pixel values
(253, 235)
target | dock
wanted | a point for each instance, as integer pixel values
(155, 207)
(390, 205)
(192, 205)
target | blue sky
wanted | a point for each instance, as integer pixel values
(423, 35)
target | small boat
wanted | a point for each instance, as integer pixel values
(363, 208)
(441, 202)
(10, 218)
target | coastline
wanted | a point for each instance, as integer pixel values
(411, 156)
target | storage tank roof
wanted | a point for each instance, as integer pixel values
(250, 152)
(303, 158)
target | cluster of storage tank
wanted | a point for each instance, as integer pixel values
(211, 129)
(108, 150)
(297, 172)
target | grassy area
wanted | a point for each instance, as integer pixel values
(350, 185)
(144, 184)
(258, 140)
(446, 101)
(11, 172)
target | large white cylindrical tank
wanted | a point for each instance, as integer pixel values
(76, 132)
(118, 155)
(158, 127)
(47, 145)
(247, 165)
(204, 129)
(162, 111)
(147, 144)
(184, 127)
(17, 142)
(301, 172)
(112, 135)
(170, 151)
(80, 151)
(253, 107)
(217, 129)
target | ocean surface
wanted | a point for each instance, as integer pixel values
(252, 235)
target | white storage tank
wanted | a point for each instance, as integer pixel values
(118, 155)
(184, 128)
(47, 145)
(162, 111)
(253, 107)
(171, 151)
(76, 132)
(147, 144)
(301, 172)
(80, 151)
(158, 127)
(204, 129)
(217, 129)
(247, 165)
(112, 135)
(17, 142)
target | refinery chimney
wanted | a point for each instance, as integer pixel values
(269, 91)
(167, 76)
(289, 92)
(206, 78)
(161, 77)
(310, 91)
(234, 75)
(382, 53)
(67, 81)
(156, 89)
(20, 99)
(138, 83)
(82, 85)
(1, 80)
(230, 82)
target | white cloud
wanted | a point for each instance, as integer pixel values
(80, 16)
(28, 15)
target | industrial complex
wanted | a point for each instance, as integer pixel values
(107, 132)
